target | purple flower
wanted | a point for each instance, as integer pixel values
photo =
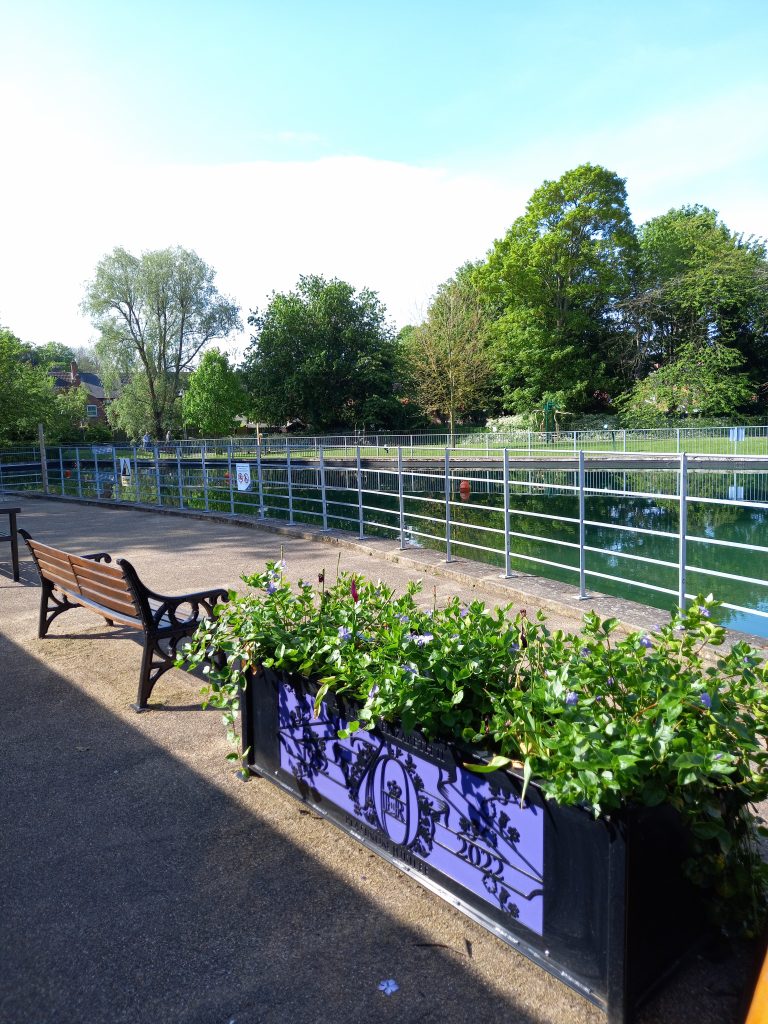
(388, 987)
(344, 633)
(353, 592)
(717, 757)
(610, 680)
(455, 636)
(422, 641)
(584, 652)
(646, 642)
(403, 618)
(409, 669)
(704, 611)
(706, 700)
(464, 612)
(373, 690)
(514, 647)
(271, 587)
(572, 698)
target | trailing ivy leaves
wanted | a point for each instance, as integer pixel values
(598, 719)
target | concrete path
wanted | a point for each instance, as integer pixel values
(140, 881)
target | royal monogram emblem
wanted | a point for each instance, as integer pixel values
(420, 805)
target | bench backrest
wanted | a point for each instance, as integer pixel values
(94, 582)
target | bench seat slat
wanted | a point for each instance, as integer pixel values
(59, 576)
(108, 584)
(110, 602)
(107, 613)
(57, 555)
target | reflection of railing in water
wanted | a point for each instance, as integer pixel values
(615, 522)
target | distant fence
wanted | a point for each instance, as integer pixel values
(659, 529)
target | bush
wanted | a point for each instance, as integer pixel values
(600, 720)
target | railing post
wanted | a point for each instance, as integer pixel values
(290, 482)
(61, 470)
(43, 457)
(582, 533)
(96, 471)
(360, 519)
(157, 474)
(401, 497)
(507, 524)
(260, 481)
(136, 481)
(179, 477)
(231, 481)
(682, 551)
(677, 432)
(530, 440)
(323, 495)
(79, 473)
(624, 434)
(114, 475)
(448, 556)
(203, 454)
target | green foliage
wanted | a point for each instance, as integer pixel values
(323, 354)
(133, 411)
(29, 397)
(702, 381)
(553, 283)
(155, 314)
(448, 362)
(698, 283)
(215, 396)
(596, 719)
(54, 353)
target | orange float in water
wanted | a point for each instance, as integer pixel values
(464, 490)
(67, 473)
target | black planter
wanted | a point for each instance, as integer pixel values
(600, 904)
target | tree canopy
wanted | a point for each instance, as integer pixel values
(214, 396)
(448, 359)
(29, 397)
(323, 353)
(553, 284)
(155, 313)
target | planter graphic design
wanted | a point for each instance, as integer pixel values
(427, 810)
(601, 903)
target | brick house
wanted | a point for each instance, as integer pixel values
(72, 378)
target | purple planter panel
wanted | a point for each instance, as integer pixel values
(412, 799)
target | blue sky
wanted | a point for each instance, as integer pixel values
(384, 143)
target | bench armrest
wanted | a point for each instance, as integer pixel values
(200, 597)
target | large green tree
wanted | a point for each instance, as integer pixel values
(699, 283)
(323, 353)
(155, 313)
(29, 397)
(214, 397)
(552, 285)
(447, 357)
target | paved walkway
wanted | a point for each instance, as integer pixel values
(140, 881)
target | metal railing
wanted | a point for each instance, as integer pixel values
(664, 528)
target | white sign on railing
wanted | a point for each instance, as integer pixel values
(243, 470)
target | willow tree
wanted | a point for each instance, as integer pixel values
(155, 313)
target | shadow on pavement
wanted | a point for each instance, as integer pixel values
(136, 891)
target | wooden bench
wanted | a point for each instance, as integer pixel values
(116, 593)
